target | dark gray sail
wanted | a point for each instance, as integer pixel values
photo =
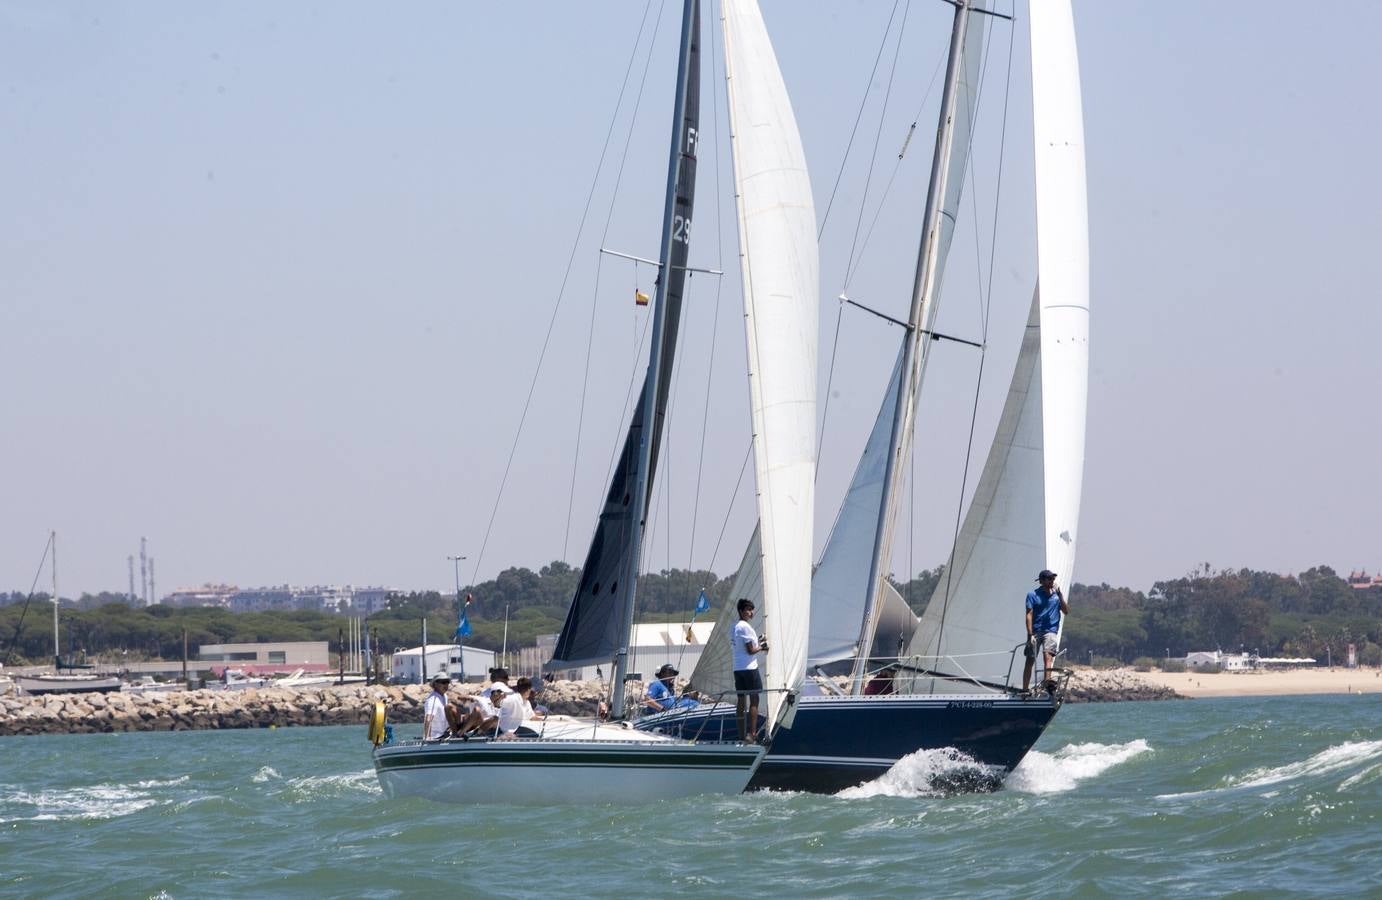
(596, 623)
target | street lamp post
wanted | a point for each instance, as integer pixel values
(460, 647)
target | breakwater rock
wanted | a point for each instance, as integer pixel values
(1105, 685)
(250, 708)
(351, 704)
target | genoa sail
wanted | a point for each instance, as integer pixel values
(780, 271)
(596, 624)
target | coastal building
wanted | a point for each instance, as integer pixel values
(1362, 581)
(651, 645)
(206, 595)
(1217, 661)
(406, 665)
(266, 658)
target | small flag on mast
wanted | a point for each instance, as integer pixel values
(702, 605)
(639, 297)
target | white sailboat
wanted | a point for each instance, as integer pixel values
(954, 685)
(575, 760)
(74, 681)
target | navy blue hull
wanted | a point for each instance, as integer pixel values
(839, 742)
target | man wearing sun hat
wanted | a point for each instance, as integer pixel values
(1044, 607)
(434, 709)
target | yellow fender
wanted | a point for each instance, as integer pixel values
(376, 723)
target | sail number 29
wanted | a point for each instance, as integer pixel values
(681, 229)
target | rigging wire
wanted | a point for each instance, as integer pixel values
(873, 157)
(19, 626)
(857, 118)
(551, 325)
(599, 260)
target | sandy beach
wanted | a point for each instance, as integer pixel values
(1261, 684)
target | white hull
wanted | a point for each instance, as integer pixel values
(620, 766)
(67, 684)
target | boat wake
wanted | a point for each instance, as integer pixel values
(1050, 773)
(1339, 758)
(931, 773)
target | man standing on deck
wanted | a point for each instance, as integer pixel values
(748, 682)
(434, 722)
(1044, 608)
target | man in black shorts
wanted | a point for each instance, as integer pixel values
(748, 682)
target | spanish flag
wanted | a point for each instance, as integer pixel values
(639, 297)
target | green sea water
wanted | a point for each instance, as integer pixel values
(1251, 796)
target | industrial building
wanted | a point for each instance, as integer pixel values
(406, 665)
(266, 658)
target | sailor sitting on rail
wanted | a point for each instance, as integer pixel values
(516, 709)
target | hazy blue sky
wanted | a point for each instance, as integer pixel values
(274, 279)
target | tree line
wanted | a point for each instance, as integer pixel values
(1315, 613)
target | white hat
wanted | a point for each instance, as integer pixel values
(498, 687)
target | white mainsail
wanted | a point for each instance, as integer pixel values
(1062, 271)
(780, 269)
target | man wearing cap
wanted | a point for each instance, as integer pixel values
(484, 716)
(660, 697)
(1044, 607)
(434, 709)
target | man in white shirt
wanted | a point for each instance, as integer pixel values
(434, 723)
(484, 715)
(748, 682)
(516, 709)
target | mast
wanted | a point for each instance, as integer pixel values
(675, 228)
(57, 653)
(923, 295)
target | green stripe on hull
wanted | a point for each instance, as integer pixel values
(577, 758)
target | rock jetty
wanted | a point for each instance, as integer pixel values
(351, 704)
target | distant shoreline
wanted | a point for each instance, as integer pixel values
(1268, 684)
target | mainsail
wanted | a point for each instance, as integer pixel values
(597, 625)
(951, 159)
(1062, 271)
(780, 270)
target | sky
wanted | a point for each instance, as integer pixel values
(276, 279)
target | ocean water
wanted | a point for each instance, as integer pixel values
(1250, 796)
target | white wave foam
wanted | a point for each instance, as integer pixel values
(101, 801)
(1049, 773)
(335, 785)
(267, 773)
(1367, 775)
(154, 783)
(929, 773)
(1331, 759)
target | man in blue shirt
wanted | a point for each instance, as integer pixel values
(1044, 608)
(659, 696)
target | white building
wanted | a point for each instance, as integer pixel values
(651, 645)
(406, 665)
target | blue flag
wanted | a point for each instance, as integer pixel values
(463, 629)
(702, 602)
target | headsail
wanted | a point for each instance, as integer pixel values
(780, 268)
(1062, 271)
(974, 619)
(597, 625)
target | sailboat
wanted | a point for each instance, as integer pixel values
(74, 681)
(949, 676)
(586, 760)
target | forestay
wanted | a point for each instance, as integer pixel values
(780, 270)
